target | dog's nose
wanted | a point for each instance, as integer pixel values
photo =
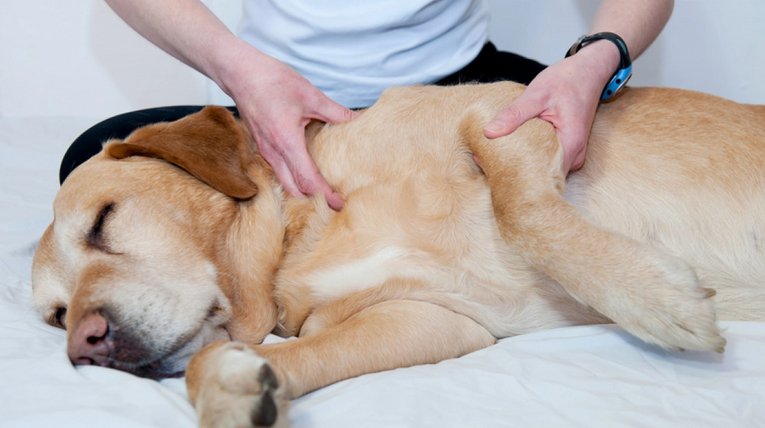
(87, 344)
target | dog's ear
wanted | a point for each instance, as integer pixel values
(210, 145)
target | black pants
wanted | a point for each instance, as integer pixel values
(489, 66)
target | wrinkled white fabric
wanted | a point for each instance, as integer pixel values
(572, 377)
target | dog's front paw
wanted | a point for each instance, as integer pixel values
(242, 391)
(669, 308)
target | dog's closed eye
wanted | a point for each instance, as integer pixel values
(57, 319)
(95, 238)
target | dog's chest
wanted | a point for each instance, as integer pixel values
(419, 240)
(378, 267)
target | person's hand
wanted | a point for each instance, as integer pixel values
(276, 103)
(566, 94)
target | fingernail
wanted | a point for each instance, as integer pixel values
(494, 127)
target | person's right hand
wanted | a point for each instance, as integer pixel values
(276, 103)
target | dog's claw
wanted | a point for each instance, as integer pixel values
(267, 377)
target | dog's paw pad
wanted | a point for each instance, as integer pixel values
(265, 412)
(264, 409)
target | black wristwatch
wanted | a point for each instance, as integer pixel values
(622, 74)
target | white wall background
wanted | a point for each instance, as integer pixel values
(76, 58)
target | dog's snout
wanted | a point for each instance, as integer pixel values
(87, 343)
(99, 338)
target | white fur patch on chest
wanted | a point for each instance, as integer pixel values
(360, 274)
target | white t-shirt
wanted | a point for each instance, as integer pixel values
(353, 49)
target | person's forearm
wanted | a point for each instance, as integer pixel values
(187, 30)
(638, 22)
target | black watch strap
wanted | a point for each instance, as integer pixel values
(622, 74)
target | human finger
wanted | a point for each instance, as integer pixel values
(284, 176)
(332, 112)
(513, 116)
(306, 176)
(574, 144)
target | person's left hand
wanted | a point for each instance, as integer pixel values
(566, 94)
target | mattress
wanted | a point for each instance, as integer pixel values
(570, 377)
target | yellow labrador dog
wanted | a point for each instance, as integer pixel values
(177, 250)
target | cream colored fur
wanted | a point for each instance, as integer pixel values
(432, 256)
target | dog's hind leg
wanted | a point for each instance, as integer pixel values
(652, 295)
(232, 384)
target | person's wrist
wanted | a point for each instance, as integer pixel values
(601, 58)
(623, 72)
(229, 67)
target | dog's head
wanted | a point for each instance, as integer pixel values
(143, 264)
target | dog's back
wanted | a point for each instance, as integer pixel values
(688, 181)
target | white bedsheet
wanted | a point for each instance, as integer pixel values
(595, 376)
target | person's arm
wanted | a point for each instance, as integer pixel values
(274, 100)
(567, 93)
